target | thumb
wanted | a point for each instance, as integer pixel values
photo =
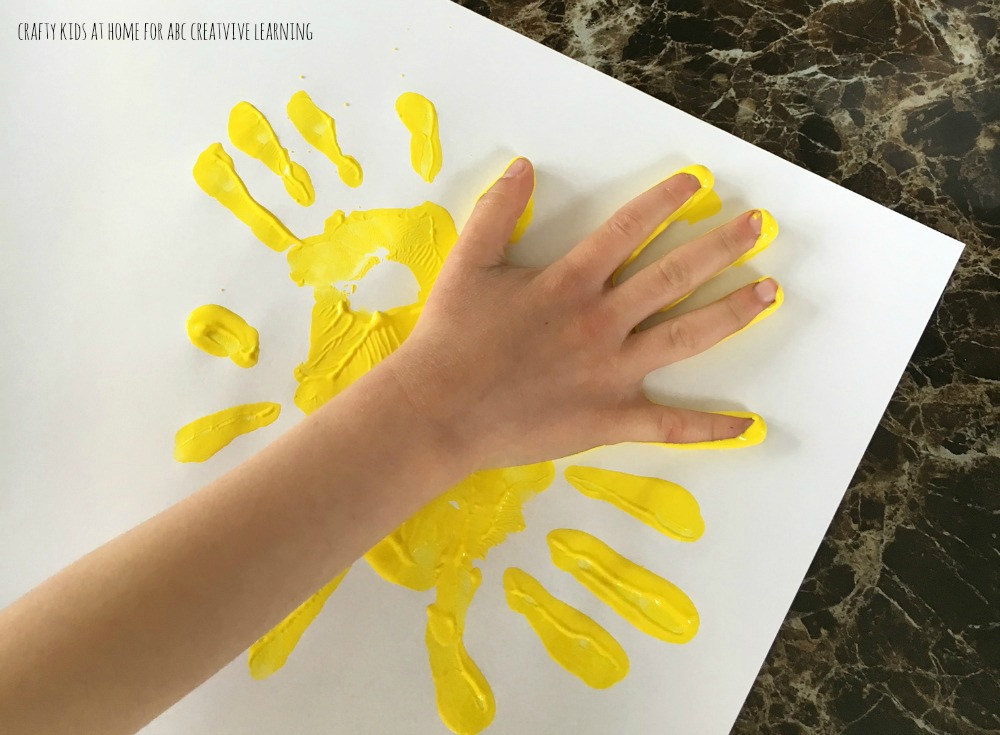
(493, 220)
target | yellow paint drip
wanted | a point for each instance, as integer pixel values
(250, 131)
(216, 175)
(661, 505)
(703, 204)
(320, 131)
(420, 118)
(524, 221)
(220, 332)
(205, 436)
(574, 640)
(269, 653)
(644, 599)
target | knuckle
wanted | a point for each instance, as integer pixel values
(670, 427)
(625, 225)
(675, 273)
(680, 336)
(732, 246)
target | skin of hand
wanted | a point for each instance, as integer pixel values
(517, 365)
(507, 365)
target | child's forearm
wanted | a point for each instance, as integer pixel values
(119, 636)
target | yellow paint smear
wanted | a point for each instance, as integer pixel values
(661, 505)
(203, 437)
(574, 640)
(751, 436)
(222, 333)
(215, 174)
(420, 118)
(250, 131)
(524, 221)
(437, 548)
(703, 204)
(320, 131)
(644, 599)
(269, 653)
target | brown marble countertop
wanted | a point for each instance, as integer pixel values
(896, 628)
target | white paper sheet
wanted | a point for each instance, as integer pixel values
(109, 244)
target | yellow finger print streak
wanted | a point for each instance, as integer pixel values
(250, 131)
(269, 653)
(215, 173)
(320, 131)
(574, 640)
(203, 437)
(220, 332)
(661, 505)
(646, 600)
(420, 118)
(703, 204)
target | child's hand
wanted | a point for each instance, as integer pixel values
(517, 365)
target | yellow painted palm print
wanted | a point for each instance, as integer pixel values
(438, 548)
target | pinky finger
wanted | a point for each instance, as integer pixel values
(681, 428)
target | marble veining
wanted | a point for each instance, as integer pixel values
(896, 628)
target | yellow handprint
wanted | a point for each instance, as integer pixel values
(437, 548)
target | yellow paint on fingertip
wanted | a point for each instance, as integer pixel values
(644, 599)
(250, 131)
(523, 221)
(662, 505)
(703, 204)
(216, 175)
(419, 116)
(779, 299)
(320, 131)
(203, 437)
(768, 231)
(574, 640)
(222, 333)
(271, 651)
(751, 436)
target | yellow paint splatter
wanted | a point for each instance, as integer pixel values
(646, 600)
(250, 131)
(420, 118)
(269, 653)
(703, 204)
(203, 437)
(320, 131)
(220, 332)
(216, 175)
(574, 640)
(661, 505)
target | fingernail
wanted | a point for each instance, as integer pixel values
(689, 182)
(766, 291)
(516, 168)
(756, 220)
